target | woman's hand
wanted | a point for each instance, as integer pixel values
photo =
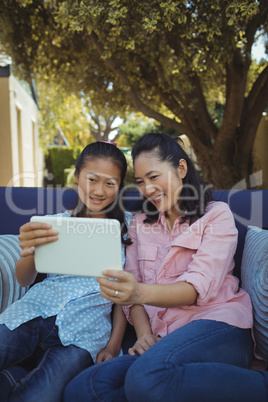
(107, 353)
(143, 343)
(33, 234)
(124, 290)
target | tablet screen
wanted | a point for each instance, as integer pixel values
(85, 246)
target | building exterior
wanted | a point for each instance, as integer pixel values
(21, 161)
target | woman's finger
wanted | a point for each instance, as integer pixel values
(121, 276)
(109, 290)
(106, 294)
(107, 283)
(110, 294)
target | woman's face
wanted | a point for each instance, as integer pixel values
(98, 183)
(160, 182)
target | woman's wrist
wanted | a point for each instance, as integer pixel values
(144, 289)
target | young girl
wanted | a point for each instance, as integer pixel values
(60, 326)
(179, 290)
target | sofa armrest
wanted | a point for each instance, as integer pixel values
(10, 290)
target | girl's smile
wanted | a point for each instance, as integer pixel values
(97, 200)
(98, 183)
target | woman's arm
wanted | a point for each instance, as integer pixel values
(204, 276)
(112, 349)
(129, 284)
(132, 292)
(32, 234)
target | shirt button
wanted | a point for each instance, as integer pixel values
(80, 292)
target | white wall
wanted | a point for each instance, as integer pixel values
(22, 164)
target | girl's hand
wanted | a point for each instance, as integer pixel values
(33, 234)
(143, 344)
(106, 354)
(125, 290)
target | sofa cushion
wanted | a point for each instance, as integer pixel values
(254, 275)
(10, 290)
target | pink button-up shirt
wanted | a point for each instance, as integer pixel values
(200, 254)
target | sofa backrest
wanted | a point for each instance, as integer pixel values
(18, 204)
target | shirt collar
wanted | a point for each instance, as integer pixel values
(162, 219)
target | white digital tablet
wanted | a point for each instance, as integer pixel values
(85, 246)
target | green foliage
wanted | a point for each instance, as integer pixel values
(185, 37)
(175, 61)
(58, 109)
(58, 159)
(132, 130)
(69, 179)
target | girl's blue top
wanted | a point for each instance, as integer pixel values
(83, 316)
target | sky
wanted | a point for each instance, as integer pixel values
(258, 50)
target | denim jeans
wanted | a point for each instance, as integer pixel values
(34, 364)
(168, 368)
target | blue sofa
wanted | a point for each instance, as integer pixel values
(17, 205)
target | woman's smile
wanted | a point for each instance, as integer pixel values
(157, 199)
(159, 182)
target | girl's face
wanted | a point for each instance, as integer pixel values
(160, 182)
(98, 183)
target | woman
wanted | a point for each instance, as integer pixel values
(178, 291)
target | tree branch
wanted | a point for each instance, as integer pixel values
(255, 24)
(249, 128)
(134, 98)
(204, 118)
(255, 90)
(236, 80)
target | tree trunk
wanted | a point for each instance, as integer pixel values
(217, 167)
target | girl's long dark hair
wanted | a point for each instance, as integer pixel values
(195, 193)
(104, 150)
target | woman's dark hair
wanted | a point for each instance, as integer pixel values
(105, 150)
(195, 193)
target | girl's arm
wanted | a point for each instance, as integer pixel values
(31, 234)
(145, 337)
(113, 347)
(25, 270)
